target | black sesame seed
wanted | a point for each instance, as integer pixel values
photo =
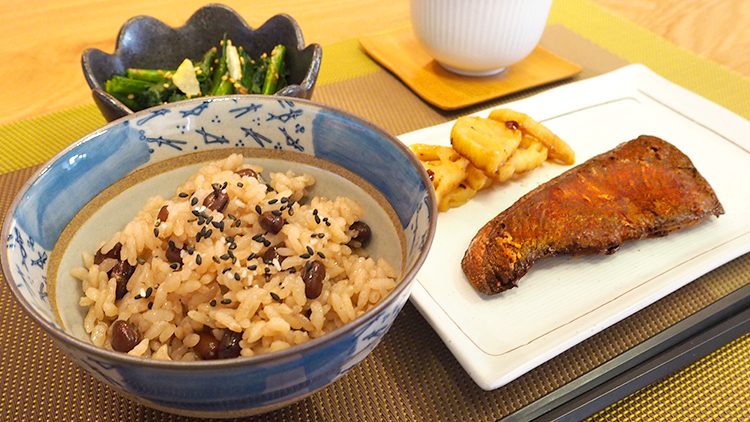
(237, 223)
(224, 185)
(150, 305)
(275, 297)
(140, 260)
(156, 232)
(258, 209)
(208, 232)
(226, 270)
(240, 184)
(328, 223)
(292, 270)
(198, 259)
(322, 255)
(183, 195)
(137, 297)
(273, 201)
(174, 265)
(266, 243)
(201, 220)
(276, 213)
(216, 259)
(291, 210)
(232, 246)
(315, 211)
(194, 202)
(192, 220)
(212, 302)
(218, 224)
(252, 256)
(196, 213)
(224, 257)
(210, 219)
(317, 219)
(267, 270)
(310, 250)
(148, 292)
(237, 276)
(305, 255)
(226, 301)
(269, 188)
(252, 267)
(231, 216)
(284, 200)
(171, 244)
(258, 238)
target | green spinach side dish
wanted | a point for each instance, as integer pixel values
(231, 71)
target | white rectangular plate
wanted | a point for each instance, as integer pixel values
(565, 300)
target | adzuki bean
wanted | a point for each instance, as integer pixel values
(361, 234)
(113, 253)
(273, 252)
(247, 172)
(121, 272)
(313, 276)
(125, 336)
(173, 254)
(271, 222)
(216, 200)
(208, 346)
(229, 347)
(163, 214)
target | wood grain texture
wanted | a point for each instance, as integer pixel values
(716, 29)
(400, 52)
(43, 40)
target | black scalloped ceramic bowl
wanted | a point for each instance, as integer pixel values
(145, 42)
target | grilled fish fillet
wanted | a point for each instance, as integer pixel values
(643, 188)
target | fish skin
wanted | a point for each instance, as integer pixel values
(642, 188)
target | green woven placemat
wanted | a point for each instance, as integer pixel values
(411, 375)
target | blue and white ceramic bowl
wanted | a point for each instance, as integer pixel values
(61, 210)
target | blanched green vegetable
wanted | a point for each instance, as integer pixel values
(143, 88)
(274, 70)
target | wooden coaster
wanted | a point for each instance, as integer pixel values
(399, 51)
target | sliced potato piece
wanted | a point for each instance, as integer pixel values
(558, 149)
(476, 179)
(485, 143)
(530, 154)
(447, 166)
(457, 197)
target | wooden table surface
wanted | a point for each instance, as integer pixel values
(40, 69)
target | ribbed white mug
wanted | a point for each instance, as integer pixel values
(479, 37)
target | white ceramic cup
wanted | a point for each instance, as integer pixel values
(479, 37)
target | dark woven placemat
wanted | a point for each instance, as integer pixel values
(411, 375)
